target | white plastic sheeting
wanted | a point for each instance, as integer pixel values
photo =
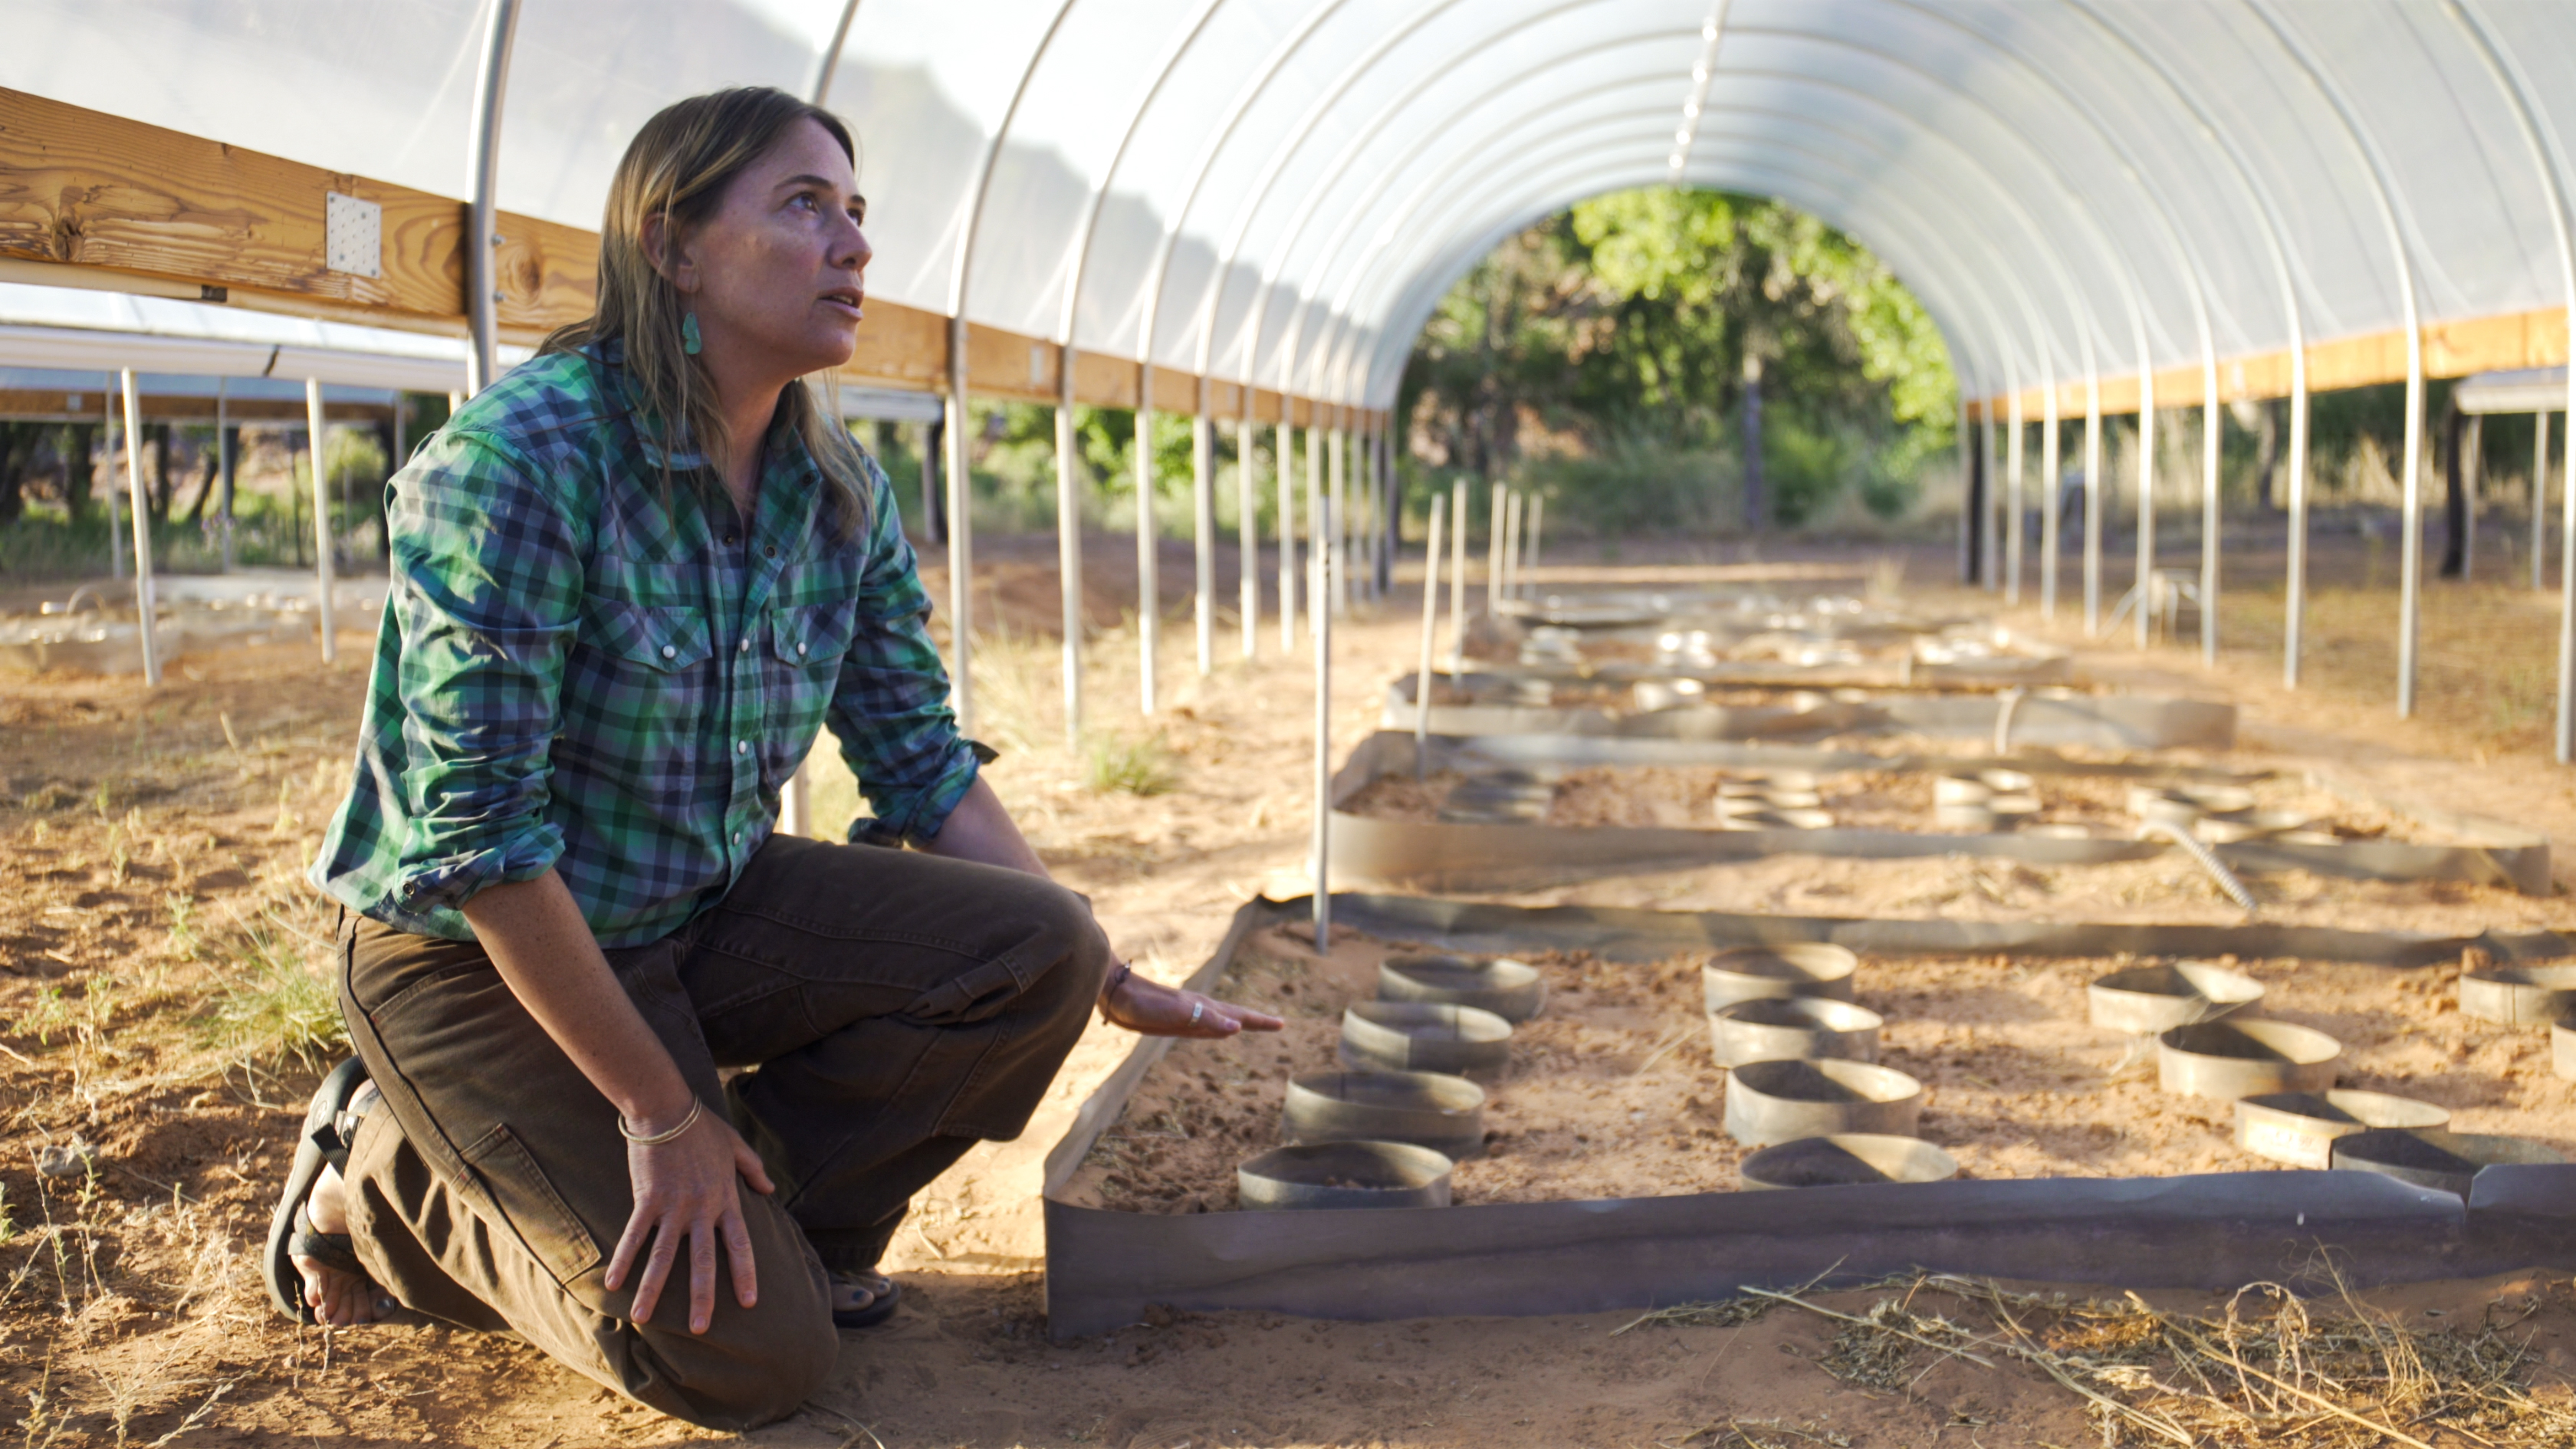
(2038, 170)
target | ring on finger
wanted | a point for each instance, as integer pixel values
(1197, 1010)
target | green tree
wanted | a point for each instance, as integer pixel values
(1615, 337)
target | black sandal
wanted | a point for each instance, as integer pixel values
(290, 1231)
(884, 1298)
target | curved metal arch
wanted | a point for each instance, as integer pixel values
(2123, 272)
(2383, 187)
(1931, 282)
(1147, 581)
(2551, 163)
(1910, 223)
(1967, 360)
(2187, 266)
(1347, 314)
(2074, 202)
(961, 527)
(2275, 233)
(1790, 186)
(1068, 478)
(2194, 270)
(1929, 278)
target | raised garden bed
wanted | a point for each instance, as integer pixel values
(1608, 1180)
(1659, 704)
(1515, 812)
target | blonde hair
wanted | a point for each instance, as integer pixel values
(677, 168)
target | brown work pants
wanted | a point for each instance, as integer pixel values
(894, 1008)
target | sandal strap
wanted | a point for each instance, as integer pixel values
(331, 1250)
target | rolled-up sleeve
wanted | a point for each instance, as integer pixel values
(890, 707)
(487, 589)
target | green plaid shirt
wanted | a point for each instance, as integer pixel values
(582, 671)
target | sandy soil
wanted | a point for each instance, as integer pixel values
(1613, 1092)
(148, 858)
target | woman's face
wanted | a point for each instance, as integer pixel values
(777, 274)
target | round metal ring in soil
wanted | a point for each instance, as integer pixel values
(2217, 799)
(2144, 1000)
(2245, 1059)
(1960, 790)
(1846, 1159)
(1423, 1036)
(1800, 968)
(2434, 1158)
(1768, 819)
(2252, 825)
(1977, 819)
(1793, 1028)
(1427, 1109)
(2008, 782)
(2562, 1048)
(1768, 1102)
(1512, 990)
(2519, 995)
(1344, 1175)
(2300, 1128)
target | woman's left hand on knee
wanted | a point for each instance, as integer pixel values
(1149, 1008)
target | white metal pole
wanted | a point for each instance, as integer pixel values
(2050, 506)
(1430, 627)
(2013, 500)
(1990, 564)
(109, 444)
(1321, 528)
(321, 523)
(961, 533)
(1319, 532)
(224, 462)
(147, 625)
(2146, 502)
(1283, 461)
(1458, 579)
(1511, 543)
(1247, 529)
(2211, 522)
(482, 166)
(2295, 612)
(1338, 447)
(2092, 507)
(1068, 544)
(1538, 520)
(1203, 502)
(2473, 469)
(1494, 547)
(2539, 500)
(1149, 584)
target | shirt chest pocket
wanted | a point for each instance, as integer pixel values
(805, 646)
(640, 693)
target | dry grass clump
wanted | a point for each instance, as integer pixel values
(2271, 1369)
(1134, 766)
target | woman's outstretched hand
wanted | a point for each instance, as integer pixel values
(1151, 1009)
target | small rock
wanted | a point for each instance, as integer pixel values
(76, 1158)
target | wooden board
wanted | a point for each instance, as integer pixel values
(121, 199)
(2451, 349)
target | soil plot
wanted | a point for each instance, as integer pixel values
(1613, 1091)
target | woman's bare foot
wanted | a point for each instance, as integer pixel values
(338, 1298)
(854, 1294)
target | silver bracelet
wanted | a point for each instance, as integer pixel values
(657, 1139)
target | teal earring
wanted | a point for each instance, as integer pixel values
(690, 342)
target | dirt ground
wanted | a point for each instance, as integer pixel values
(156, 945)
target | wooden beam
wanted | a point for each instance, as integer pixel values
(2451, 349)
(55, 405)
(160, 211)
